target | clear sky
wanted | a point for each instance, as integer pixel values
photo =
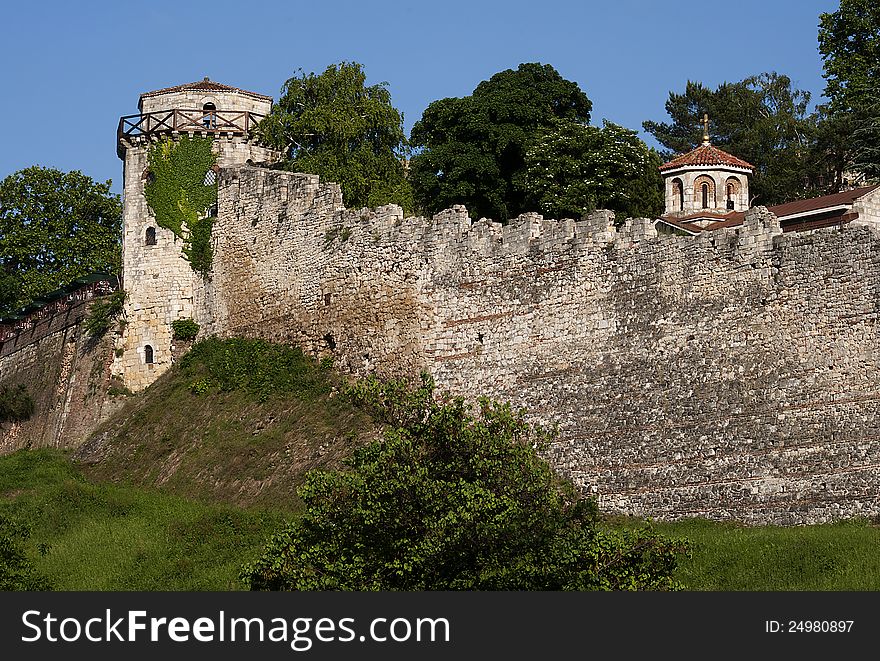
(70, 69)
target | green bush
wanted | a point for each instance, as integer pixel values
(184, 329)
(453, 500)
(16, 404)
(260, 368)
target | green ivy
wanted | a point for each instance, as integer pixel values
(103, 313)
(178, 196)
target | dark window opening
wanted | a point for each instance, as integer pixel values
(480, 338)
(326, 299)
(150, 237)
(148, 354)
(678, 194)
(331, 343)
(209, 120)
(705, 188)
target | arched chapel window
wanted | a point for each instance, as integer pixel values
(732, 191)
(677, 194)
(704, 192)
(148, 354)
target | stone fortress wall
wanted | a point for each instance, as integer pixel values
(67, 374)
(727, 375)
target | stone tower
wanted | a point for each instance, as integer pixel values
(158, 280)
(706, 180)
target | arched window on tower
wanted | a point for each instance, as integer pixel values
(731, 192)
(704, 192)
(209, 118)
(150, 236)
(148, 354)
(677, 194)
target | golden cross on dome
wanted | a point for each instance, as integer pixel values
(705, 123)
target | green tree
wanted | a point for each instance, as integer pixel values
(574, 168)
(473, 149)
(336, 126)
(761, 119)
(452, 500)
(54, 227)
(849, 41)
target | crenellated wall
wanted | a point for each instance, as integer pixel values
(728, 375)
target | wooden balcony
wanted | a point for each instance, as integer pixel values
(214, 123)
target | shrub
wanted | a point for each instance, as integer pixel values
(184, 329)
(16, 404)
(453, 500)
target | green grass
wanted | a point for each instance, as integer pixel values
(730, 557)
(91, 536)
(235, 421)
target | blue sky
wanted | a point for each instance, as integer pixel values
(71, 69)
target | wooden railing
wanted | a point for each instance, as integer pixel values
(169, 122)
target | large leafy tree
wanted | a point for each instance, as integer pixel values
(473, 149)
(452, 500)
(849, 41)
(336, 126)
(762, 119)
(54, 227)
(575, 168)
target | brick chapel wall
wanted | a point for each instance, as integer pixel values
(728, 375)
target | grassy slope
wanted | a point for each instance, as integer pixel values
(727, 556)
(87, 536)
(238, 424)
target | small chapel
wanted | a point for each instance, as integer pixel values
(708, 189)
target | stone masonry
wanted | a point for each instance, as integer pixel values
(728, 375)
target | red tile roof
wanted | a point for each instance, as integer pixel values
(817, 212)
(847, 197)
(706, 155)
(205, 85)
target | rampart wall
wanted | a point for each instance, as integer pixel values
(67, 375)
(728, 375)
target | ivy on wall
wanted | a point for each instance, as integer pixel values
(181, 194)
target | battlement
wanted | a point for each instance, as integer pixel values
(303, 198)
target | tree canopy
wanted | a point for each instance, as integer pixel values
(762, 119)
(574, 168)
(336, 126)
(849, 41)
(453, 500)
(54, 227)
(473, 149)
